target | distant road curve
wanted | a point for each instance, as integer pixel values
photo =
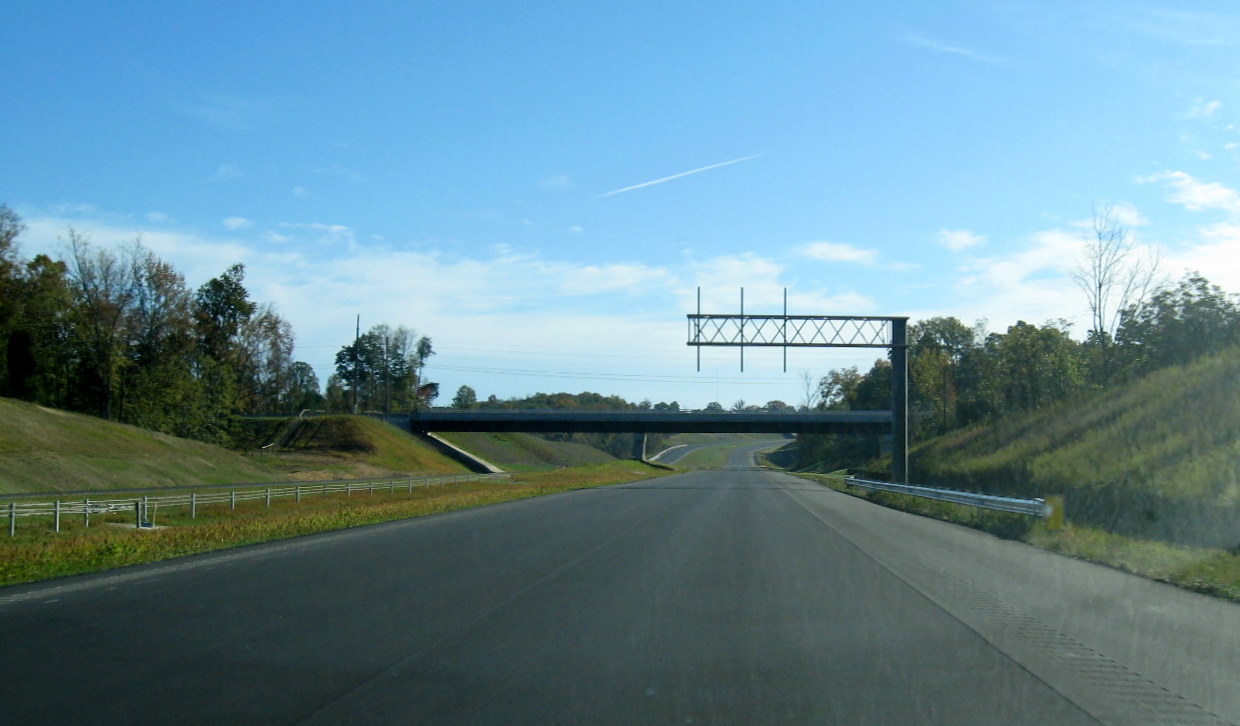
(737, 596)
(676, 453)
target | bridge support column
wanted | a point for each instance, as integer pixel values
(899, 400)
(639, 447)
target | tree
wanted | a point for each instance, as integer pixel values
(159, 390)
(336, 398)
(1036, 366)
(938, 346)
(10, 227)
(221, 306)
(265, 359)
(303, 391)
(714, 407)
(837, 388)
(465, 397)
(383, 368)
(104, 292)
(1114, 278)
(812, 392)
(1179, 325)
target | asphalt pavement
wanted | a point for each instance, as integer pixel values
(739, 596)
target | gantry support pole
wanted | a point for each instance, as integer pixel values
(899, 400)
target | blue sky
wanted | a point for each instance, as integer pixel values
(481, 171)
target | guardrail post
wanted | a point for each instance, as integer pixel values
(297, 489)
(86, 511)
(137, 514)
(1054, 519)
(232, 498)
(57, 523)
(193, 505)
(146, 509)
(12, 519)
(348, 489)
(269, 497)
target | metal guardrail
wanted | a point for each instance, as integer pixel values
(142, 506)
(1050, 508)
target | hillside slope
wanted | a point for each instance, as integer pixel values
(524, 452)
(43, 449)
(354, 446)
(1159, 458)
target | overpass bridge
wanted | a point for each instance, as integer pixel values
(651, 422)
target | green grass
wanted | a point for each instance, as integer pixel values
(338, 444)
(46, 450)
(43, 449)
(1156, 459)
(526, 453)
(39, 553)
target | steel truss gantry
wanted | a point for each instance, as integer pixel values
(816, 331)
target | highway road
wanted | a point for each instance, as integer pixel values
(739, 596)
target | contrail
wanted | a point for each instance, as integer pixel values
(677, 176)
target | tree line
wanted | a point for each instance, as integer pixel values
(119, 334)
(960, 375)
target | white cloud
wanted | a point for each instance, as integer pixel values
(960, 239)
(839, 252)
(236, 223)
(1030, 284)
(1128, 215)
(576, 229)
(590, 279)
(1204, 108)
(764, 282)
(157, 217)
(1215, 254)
(228, 171)
(1196, 195)
(939, 46)
(197, 257)
(559, 181)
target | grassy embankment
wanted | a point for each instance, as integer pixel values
(1150, 473)
(525, 453)
(330, 447)
(42, 449)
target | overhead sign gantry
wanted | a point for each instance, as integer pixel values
(785, 331)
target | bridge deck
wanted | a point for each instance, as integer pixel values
(654, 422)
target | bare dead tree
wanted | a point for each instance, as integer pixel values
(1115, 276)
(811, 391)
